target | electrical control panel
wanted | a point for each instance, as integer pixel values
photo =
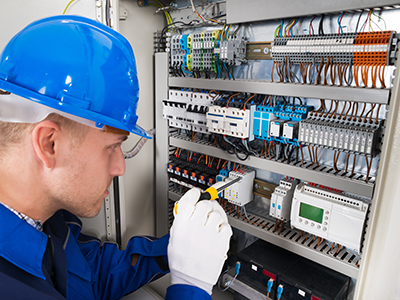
(329, 213)
(298, 102)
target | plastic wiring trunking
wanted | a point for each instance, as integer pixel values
(240, 193)
(307, 280)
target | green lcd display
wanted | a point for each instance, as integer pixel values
(311, 212)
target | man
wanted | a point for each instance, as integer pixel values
(69, 95)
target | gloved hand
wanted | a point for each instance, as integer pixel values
(199, 242)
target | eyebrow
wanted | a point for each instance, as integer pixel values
(123, 138)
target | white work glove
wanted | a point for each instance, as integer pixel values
(199, 242)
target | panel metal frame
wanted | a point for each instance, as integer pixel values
(161, 145)
(239, 11)
(355, 94)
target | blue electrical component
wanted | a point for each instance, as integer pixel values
(265, 128)
(262, 117)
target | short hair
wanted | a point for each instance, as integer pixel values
(11, 134)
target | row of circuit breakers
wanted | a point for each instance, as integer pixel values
(325, 212)
(208, 112)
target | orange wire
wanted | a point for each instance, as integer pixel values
(244, 106)
(231, 98)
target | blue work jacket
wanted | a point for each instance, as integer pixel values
(63, 263)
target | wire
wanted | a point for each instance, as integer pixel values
(380, 19)
(69, 3)
(358, 20)
(339, 20)
(321, 26)
(200, 16)
(311, 28)
(237, 269)
(169, 25)
(244, 105)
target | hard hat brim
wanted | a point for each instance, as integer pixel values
(58, 105)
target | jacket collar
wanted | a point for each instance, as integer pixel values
(21, 244)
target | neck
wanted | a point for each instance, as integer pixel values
(20, 189)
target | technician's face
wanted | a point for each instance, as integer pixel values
(93, 165)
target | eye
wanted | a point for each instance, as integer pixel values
(113, 147)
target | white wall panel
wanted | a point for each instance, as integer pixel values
(16, 14)
(138, 211)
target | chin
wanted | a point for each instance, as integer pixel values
(90, 212)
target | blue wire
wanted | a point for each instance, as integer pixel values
(229, 74)
(218, 67)
(291, 28)
(280, 30)
(340, 26)
(187, 72)
(363, 26)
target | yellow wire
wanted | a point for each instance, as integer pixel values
(162, 5)
(227, 35)
(222, 33)
(69, 3)
(381, 19)
(288, 29)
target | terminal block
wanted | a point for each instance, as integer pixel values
(240, 193)
(233, 51)
(281, 199)
(176, 52)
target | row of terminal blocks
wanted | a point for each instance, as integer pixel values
(201, 51)
(343, 135)
(341, 48)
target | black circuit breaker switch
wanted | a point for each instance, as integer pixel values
(307, 280)
(262, 261)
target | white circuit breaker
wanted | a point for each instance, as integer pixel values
(281, 199)
(240, 193)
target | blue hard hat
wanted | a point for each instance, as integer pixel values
(77, 66)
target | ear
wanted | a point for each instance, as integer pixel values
(45, 135)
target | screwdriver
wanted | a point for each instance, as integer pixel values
(212, 192)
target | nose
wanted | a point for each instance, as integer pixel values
(117, 167)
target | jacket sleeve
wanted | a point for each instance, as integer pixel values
(187, 292)
(113, 276)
